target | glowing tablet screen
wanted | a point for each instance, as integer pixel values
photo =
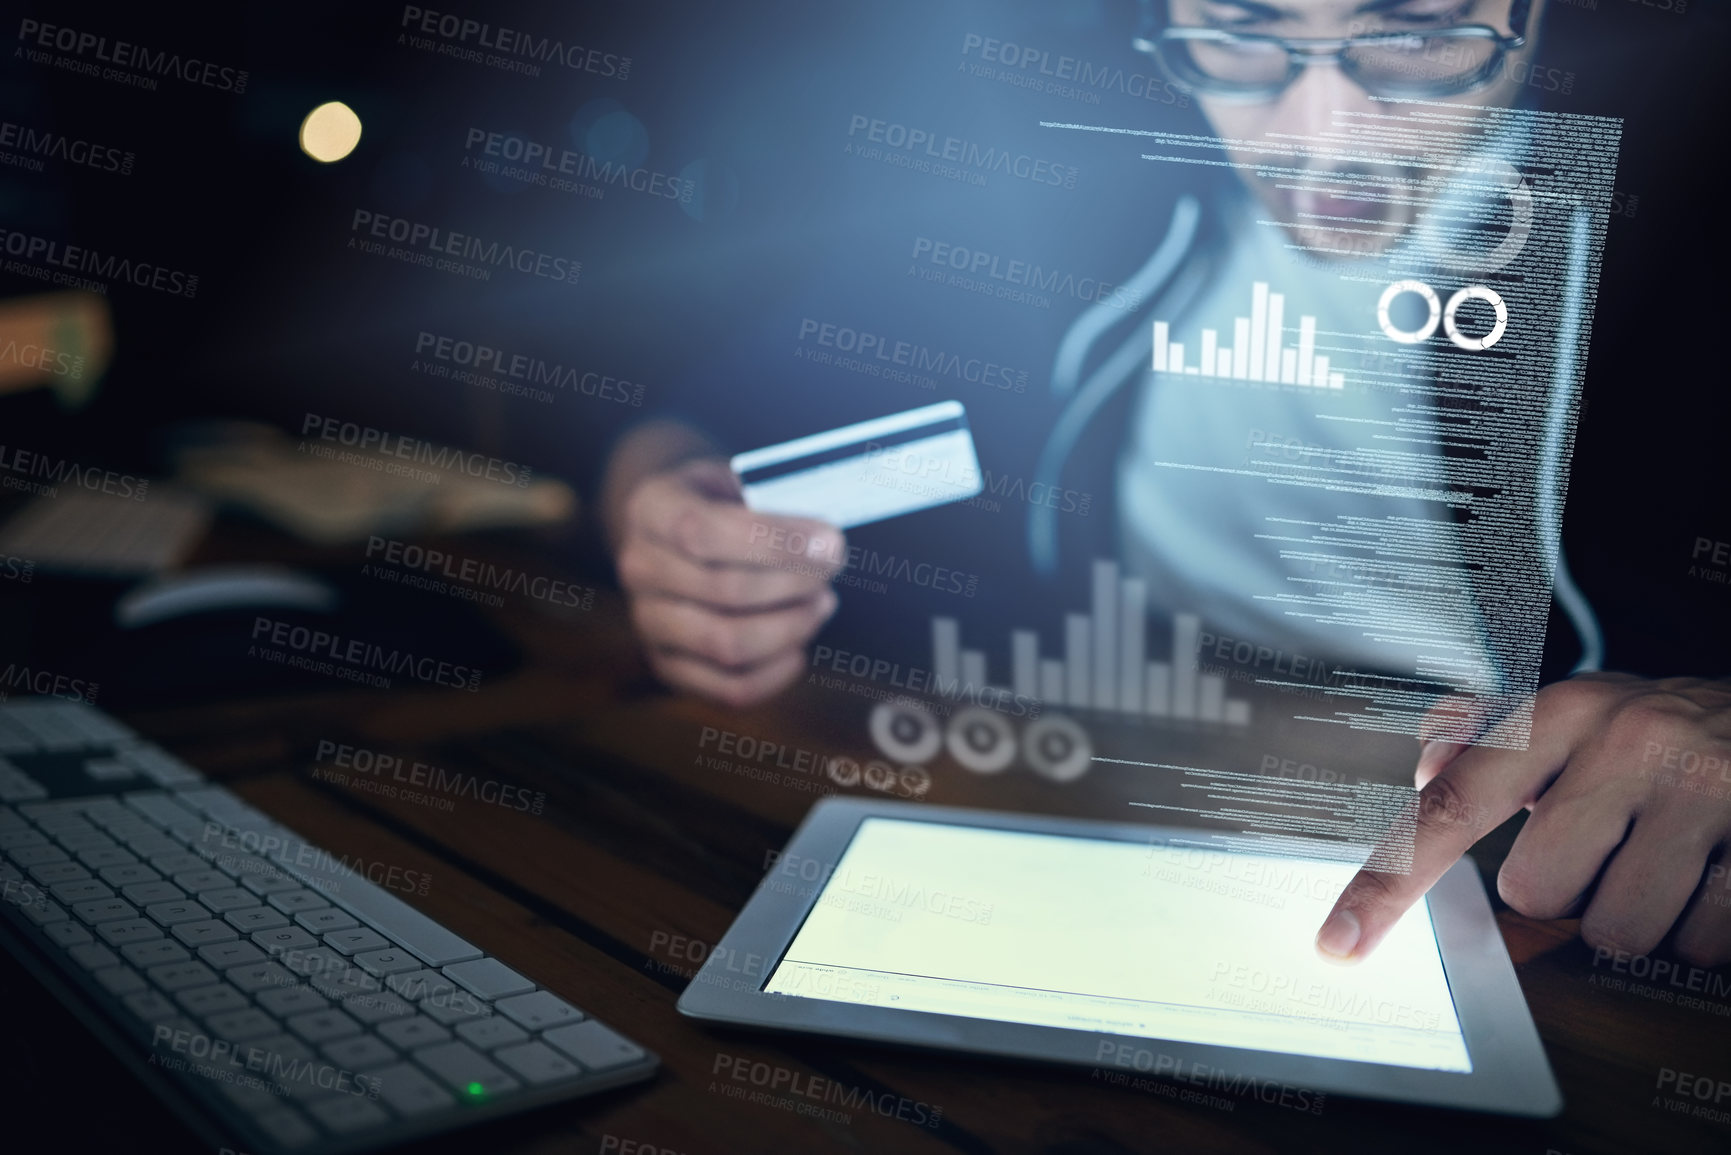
(1158, 941)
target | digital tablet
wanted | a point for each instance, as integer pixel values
(1128, 948)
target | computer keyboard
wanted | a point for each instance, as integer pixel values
(278, 999)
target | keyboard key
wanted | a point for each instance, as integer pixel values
(202, 1002)
(15, 837)
(128, 875)
(98, 858)
(295, 901)
(284, 1046)
(67, 934)
(417, 985)
(538, 1063)
(151, 1006)
(223, 955)
(196, 881)
(387, 962)
(489, 978)
(94, 956)
(128, 931)
(76, 836)
(154, 953)
(120, 980)
(407, 1034)
(345, 982)
(320, 1026)
(255, 918)
(176, 861)
(268, 883)
(284, 938)
(354, 941)
(197, 934)
(465, 1070)
(427, 940)
(151, 893)
(409, 1091)
(181, 975)
(594, 1046)
(457, 1007)
(325, 920)
(539, 1010)
(486, 1034)
(44, 912)
(82, 890)
(101, 910)
(37, 855)
(377, 1007)
(50, 873)
(181, 910)
(286, 1128)
(315, 962)
(359, 1052)
(347, 1114)
(286, 1001)
(256, 976)
(240, 1026)
(230, 898)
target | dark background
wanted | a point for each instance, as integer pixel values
(699, 303)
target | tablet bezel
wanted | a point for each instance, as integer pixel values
(1510, 1074)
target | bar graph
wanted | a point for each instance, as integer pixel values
(1259, 350)
(1104, 664)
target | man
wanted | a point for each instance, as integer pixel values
(1636, 854)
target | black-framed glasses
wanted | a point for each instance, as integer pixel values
(1416, 64)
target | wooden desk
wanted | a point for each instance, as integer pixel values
(640, 851)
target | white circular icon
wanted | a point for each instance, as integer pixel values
(905, 732)
(1476, 293)
(981, 740)
(1056, 747)
(1408, 336)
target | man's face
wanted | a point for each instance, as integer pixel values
(1309, 106)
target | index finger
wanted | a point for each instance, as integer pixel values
(1474, 794)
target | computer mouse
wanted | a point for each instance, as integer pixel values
(212, 589)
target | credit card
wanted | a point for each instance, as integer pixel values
(866, 472)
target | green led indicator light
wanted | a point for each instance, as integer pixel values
(476, 1089)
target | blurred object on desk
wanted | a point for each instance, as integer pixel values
(327, 492)
(89, 534)
(62, 340)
